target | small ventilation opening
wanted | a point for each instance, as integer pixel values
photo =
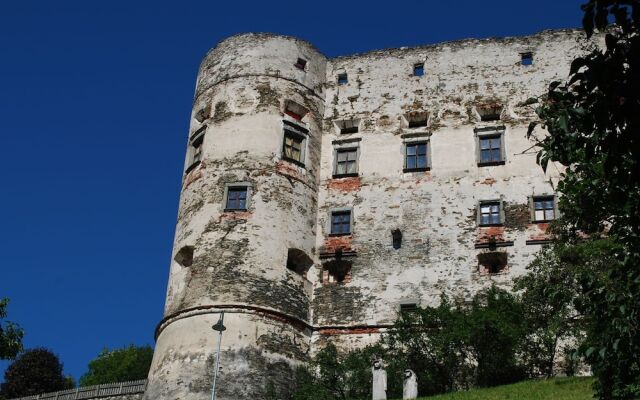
(295, 110)
(396, 236)
(184, 256)
(203, 113)
(417, 119)
(526, 58)
(492, 262)
(418, 69)
(490, 113)
(337, 271)
(348, 126)
(298, 261)
(343, 79)
(301, 63)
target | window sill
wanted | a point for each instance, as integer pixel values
(335, 176)
(543, 221)
(234, 210)
(339, 234)
(489, 225)
(491, 163)
(416, 169)
(292, 161)
(192, 167)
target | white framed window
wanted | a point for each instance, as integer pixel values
(237, 196)
(490, 146)
(490, 213)
(543, 208)
(195, 151)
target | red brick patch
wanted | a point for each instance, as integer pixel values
(349, 184)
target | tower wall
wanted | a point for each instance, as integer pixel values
(240, 258)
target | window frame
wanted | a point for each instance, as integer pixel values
(489, 133)
(543, 197)
(501, 216)
(344, 211)
(293, 130)
(417, 142)
(234, 185)
(350, 147)
(195, 150)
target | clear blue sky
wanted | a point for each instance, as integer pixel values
(95, 100)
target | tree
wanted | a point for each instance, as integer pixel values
(593, 125)
(33, 372)
(126, 364)
(10, 334)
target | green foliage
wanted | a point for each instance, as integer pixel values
(34, 371)
(593, 121)
(126, 364)
(10, 334)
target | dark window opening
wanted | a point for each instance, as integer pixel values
(338, 271)
(293, 147)
(490, 213)
(184, 256)
(348, 126)
(408, 308)
(237, 198)
(490, 149)
(343, 79)
(346, 162)
(301, 63)
(396, 235)
(203, 113)
(488, 114)
(526, 58)
(350, 129)
(341, 222)
(417, 119)
(544, 208)
(418, 69)
(492, 262)
(416, 156)
(298, 261)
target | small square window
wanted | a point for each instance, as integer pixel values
(418, 69)
(408, 308)
(343, 79)
(526, 58)
(346, 162)
(236, 198)
(341, 222)
(544, 209)
(293, 147)
(416, 156)
(301, 63)
(491, 149)
(490, 213)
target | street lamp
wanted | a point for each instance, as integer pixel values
(218, 327)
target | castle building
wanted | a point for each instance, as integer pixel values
(321, 197)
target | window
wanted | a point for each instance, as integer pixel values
(346, 162)
(490, 149)
(236, 198)
(195, 149)
(526, 58)
(343, 79)
(493, 262)
(490, 213)
(184, 256)
(418, 69)
(293, 148)
(408, 308)
(544, 208)
(341, 222)
(300, 64)
(416, 156)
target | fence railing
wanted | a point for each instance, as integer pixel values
(90, 392)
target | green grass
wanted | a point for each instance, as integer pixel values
(549, 389)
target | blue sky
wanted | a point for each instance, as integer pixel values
(95, 101)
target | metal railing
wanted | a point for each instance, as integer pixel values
(91, 392)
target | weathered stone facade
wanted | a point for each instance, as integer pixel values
(287, 284)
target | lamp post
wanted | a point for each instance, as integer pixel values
(218, 327)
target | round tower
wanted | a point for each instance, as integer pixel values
(246, 223)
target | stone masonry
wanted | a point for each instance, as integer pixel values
(321, 196)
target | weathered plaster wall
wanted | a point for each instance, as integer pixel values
(276, 317)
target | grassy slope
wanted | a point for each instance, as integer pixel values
(552, 389)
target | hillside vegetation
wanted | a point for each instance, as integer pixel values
(548, 389)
